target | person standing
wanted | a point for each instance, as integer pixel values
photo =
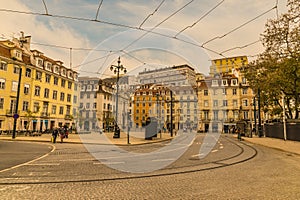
(54, 135)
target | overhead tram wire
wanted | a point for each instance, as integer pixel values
(240, 26)
(46, 10)
(206, 14)
(108, 23)
(104, 62)
(100, 4)
(151, 13)
(73, 48)
(240, 47)
(174, 13)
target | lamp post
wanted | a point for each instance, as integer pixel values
(16, 115)
(116, 69)
(259, 117)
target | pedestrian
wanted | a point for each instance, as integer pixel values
(62, 135)
(54, 135)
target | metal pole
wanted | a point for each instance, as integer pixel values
(17, 105)
(128, 127)
(116, 135)
(171, 113)
(254, 104)
(259, 117)
(283, 116)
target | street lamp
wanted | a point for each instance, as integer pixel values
(16, 115)
(116, 69)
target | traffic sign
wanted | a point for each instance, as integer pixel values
(16, 116)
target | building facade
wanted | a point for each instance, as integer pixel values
(46, 89)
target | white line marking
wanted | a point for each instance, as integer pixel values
(160, 160)
(108, 163)
(42, 164)
(26, 163)
(214, 150)
(221, 147)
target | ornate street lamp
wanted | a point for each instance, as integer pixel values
(117, 69)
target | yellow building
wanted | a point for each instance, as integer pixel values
(224, 97)
(227, 65)
(46, 93)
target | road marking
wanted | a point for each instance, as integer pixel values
(161, 160)
(197, 155)
(214, 150)
(29, 162)
(221, 147)
(108, 163)
(79, 159)
(42, 164)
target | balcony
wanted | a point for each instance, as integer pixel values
(45, 114)
(68, 117)
(11, 112)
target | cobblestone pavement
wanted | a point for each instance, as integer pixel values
(233, 170)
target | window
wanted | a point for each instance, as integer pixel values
(88, 95)
(2, 84)
(95, 105)
(63, 83)
(215, 92)
(55, 81)
(89, 88)
(62, 96)
(48, 66)
(75, 87)
(205, 103)
(74, 99)
(1, 103)
(224, 82)
(215, 103)
(25, 105)
(233, 91)
(48, 78)
(87, 114)
(13, 105)
(81, 105)
(28, 72)
(246, 115)
(81, 95)
(235, 103)
(61, 110)
(225, 114)
(216, 115)
(214, 83)
(234, 82)
(53, 110)
(3, 66)
(245, 102)
(46, 93)
(224, 91)
(68, 98)
(26, 88)
(37, 90)
(225, 103)
(87, 106)
(244, 80)
(69, 85)
(245, 91)
(14, 87)
(36, 107)
(40, 62)
(205, 92)
(38, 75)
(54, 95)
(104, 106)
(16, 69)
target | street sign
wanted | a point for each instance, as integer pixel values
(16, 116)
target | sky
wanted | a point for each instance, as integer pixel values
(145, 34)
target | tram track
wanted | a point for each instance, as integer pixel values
(197, 167)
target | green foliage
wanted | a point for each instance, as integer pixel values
(277, 70)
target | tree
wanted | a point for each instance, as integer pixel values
(276, 72)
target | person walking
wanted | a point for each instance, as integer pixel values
(54, 135)
(62, 135)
